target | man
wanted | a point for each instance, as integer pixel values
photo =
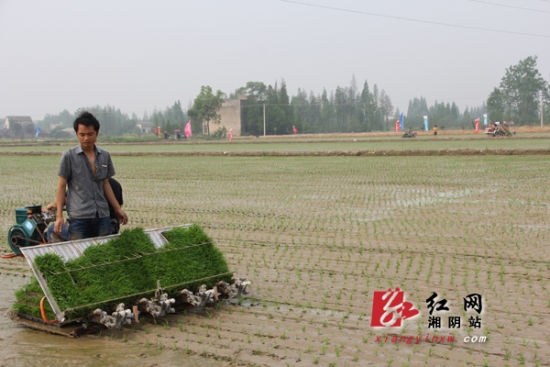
(51, 236)
(85, 169)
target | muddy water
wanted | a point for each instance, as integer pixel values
(22, 346)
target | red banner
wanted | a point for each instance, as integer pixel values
(187, 130)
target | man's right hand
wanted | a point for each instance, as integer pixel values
(58, 227)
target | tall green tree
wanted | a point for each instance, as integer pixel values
(386, 108)
(328, 115)
(279, 113)
(418, 108)
(366, 107)
(285, 114)
(206, 106)
(301, 110)
(252, 112)
(171, 118)
(496, 105)
(520, 88)
(252, 89)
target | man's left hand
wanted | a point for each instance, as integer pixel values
(122, 217)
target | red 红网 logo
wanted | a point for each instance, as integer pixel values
(389, 308)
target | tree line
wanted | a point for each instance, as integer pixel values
(114, 122)
(345, 109)
(446, 115)
(350, 109)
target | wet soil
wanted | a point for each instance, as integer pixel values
(22, 346)
(317, 238)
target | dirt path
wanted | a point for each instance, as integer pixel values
(333, 153)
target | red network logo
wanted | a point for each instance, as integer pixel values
(389, 308)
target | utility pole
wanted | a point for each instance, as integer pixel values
(264, 118)
(541, 110)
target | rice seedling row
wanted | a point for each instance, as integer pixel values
(317, 236)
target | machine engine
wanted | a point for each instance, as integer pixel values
(30, 228)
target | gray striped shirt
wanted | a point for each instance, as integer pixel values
(85, 197)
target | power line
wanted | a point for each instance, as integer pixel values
(415, 20)
(299, 105)
(545, 1)
(318, 104)
(510, 6)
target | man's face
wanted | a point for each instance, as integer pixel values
(87, 136)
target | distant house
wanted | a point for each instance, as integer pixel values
(145, 127)
(19, 126)
(21, 120)
(231, 115)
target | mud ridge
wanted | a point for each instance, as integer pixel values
(327, 153)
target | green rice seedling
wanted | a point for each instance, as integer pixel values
(93, 278)
(28, 301)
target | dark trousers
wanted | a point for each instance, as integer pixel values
(89, 227)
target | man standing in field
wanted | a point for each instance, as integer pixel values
(85, 169)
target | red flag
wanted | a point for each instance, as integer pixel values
(187, 129)
(477, 126)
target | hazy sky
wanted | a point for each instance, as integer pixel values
(142, 55)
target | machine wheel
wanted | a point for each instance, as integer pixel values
(17, 240)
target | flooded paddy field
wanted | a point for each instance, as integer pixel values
(317, 236)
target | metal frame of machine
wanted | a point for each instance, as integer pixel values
(73, 249)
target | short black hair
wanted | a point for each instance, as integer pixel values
(86, 119)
